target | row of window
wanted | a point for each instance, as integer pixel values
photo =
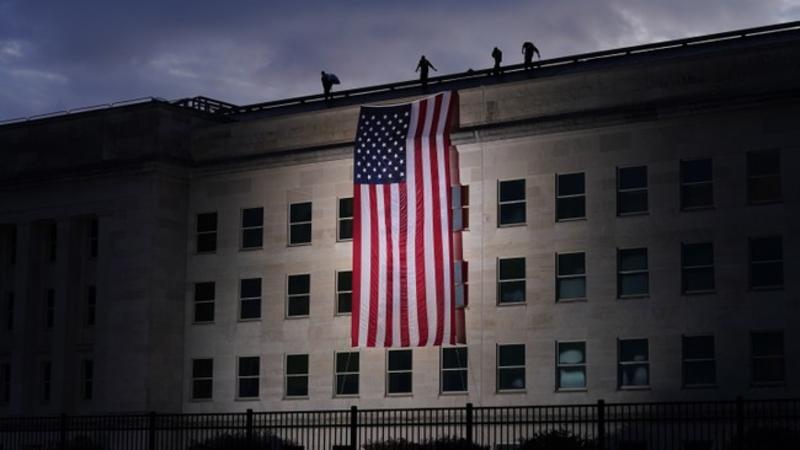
(45, 380)
(633, 368)
(88, 309)
(8, 241)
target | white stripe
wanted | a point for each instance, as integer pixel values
(411, 229)
(363, 322)
(444, 211)
(430, 271)
(395, 211)
(380, 209)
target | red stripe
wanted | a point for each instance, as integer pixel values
(356, 303)
(437, 222)
(373, 278)
(419, 248)
(452, 301)
(404, 339)
(387, 202)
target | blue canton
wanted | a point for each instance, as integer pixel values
(380, 147)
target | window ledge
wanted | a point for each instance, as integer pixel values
(254, 319)
(205, 253)
(399, 394)
(346, 396)
(634, 214)
(204, 322)
(765, 288)
(511, 225)
(247, 399)
(201, 400)
(299, 244)
(453, 393)
(573, 300)
(506, 304)
(571, 390)
(772, 384)
(344, 240)
(251, 249)
(297, 317)
(511, 391)
(634, 388)
(571, 219)
(295, 397)
(699, 386)
(699, 293)
(698, 208)
(633, 297)
(777, 201)
(344, 314)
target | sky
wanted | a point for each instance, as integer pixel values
(61, 55)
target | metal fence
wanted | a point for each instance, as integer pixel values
(736, 425)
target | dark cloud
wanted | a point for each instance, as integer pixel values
(60, 55)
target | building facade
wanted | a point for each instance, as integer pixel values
(632, 236)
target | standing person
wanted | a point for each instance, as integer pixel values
(528, 49)
(497, 54)
(326, 85)
(422, 68)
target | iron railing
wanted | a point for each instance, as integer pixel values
(718, 425)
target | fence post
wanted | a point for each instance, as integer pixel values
(601, 424)
(739, 423)
(249, 428)
(469, 424)
(62, 438)
(151, 431)
(353, 427)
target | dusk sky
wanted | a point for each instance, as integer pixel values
(59, 55)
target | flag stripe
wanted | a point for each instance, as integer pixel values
(419, 235)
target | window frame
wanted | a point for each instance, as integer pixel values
(584, 275)
(291, 224)
(750, 177)
(751, 263)
(51, 251)
(500, 281)
(582, 365)
(621, 363)
(87, 379)
(336, 375)
(240, 377)
(94, 238)
(46, 382)
(622, 273)
(209, 379)
(390, 372)
(337, 311)
(501, 203)
(10, 306)
(5, 382)
(754, 358)
(199, 233)
(685, 268)
(682, 184)
(243, 229)
(621, 191)
(90, 307)
(287, 375)
(260, 299)
(569, 196)
(49, 309)
(340, 219)
(442, 370)
(499, 368)
(290, 296)
(685, 361)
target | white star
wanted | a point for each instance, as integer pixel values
(402, 174)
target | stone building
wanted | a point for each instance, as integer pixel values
(632, 237)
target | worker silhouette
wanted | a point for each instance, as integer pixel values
(422, 68)
(328, 80)
(497, 54)
(528, 49)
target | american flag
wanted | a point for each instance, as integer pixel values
(403, 290)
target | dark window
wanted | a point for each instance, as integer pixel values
(767, 357)
(252, 228)
(570, 276)
(299, 294)
(248, 379)
(344, 292)
(699, 365)
(87, 379)
(633, 369)
(633, 277)
(345, 221)
(5, 383)
(93, 237)
(204, 295)
(511, 203)
(510, 367)
(296, 375)
(91, 306)
(697, 268)
(49, 309)
(571, 365)
(250, 298)
(570, 196)
(52, 241)
(300, 223)
(454, 369)
(398, 372)
(203, 378)
(632, 190)
(9, 311)
(45, 373)
(697, 185)
(207, 232)
(764, 177)
(346, 373)
(766, 263)
(511, 280)
(8, 244)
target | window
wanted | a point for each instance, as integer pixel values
(87, 379)
(203, 378)
(299, 294)
(697, 185)
(764, 177)
(570, 197)
(300, 223)
(90, 313)
(633, 279)
(248, 379)
(510, 281)
(511, 367)
(45, 374)
(511, 204)
(767, 357)
(454, 369)
(8, 244)
(570, 366)
(344, 292)
(9, 311)
(632, 190)
(766, 263)
(699, 366)
(207, 232)
(52, 241)
(633, 363)
(344, 225)
(297, 375)
(570, 276)
(346, 373)
(93, 236)
(252, 228)
(398, 372)
(204, 294)
(49, 309)
(5, 383)
(697, 268)
(250, 299)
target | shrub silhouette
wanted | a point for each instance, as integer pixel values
(443, 443)
(230, 441)
(556, 440)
